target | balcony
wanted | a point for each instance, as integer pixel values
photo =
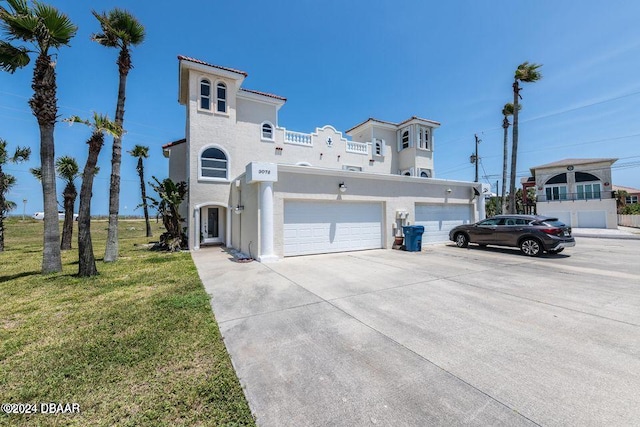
(298, 138)
(357, 147)
(572, 197)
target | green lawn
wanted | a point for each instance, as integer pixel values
(136, 346)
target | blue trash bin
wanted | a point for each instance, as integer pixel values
(413, 237)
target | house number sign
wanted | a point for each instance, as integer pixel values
(261, 172)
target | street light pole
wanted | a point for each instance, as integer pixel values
(24, 207)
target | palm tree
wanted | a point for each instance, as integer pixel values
(44, 28)
(67, 169)
(120, 30)
(526, 73)
(507, 111)
(142, 152)
(99, 126)
(167, 204)
(7, 181)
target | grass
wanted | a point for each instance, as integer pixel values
(138, 345)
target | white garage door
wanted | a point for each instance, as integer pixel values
(562, 216)
(323, 227)
(592, 219)
(437, 220)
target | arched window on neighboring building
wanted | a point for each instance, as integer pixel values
(221, 97)
(205, 94)
(556, 187)
(213, 164)
(587, 186)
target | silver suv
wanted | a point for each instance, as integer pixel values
(531, 233)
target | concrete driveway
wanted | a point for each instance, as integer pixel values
(448, 336)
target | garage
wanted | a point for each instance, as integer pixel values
(323, 227)
(592, 219)
(438, 219)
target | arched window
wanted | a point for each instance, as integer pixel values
(267, 131)
(213, 164)
(205, 94)
(221, 98)
(556, 187)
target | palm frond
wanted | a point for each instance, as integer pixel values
(21, 154)
(528, 73)
(507, 110)
(12, 57)
(67, 168)
(119, 29)
(7, 182)
(140, 151)
(37, 173)
(56, 25)
(9, 206)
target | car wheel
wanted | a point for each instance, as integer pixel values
(557, 251)
(462, 241)
(531, 247)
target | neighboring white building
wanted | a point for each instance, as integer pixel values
(272, 192)
(577, 191)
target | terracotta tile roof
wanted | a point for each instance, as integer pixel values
(174, 143)
(197, 61)
(627, 189)
(270, 95)
(568, 162)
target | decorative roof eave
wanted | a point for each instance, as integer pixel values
(263, 97)
(573, 162)
(219, 67)
(394, 126)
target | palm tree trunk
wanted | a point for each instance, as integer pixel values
(86, 259)
(67, 228)
(145, 208)
(514, 149)
(2, 203)
(111, 251)
(503, 202)
(44, 107)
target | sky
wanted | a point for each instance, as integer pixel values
(339, 62)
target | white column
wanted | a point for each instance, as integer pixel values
(227, 236)
(266, 223)
(196, 228)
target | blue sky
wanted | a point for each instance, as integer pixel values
(339, 62)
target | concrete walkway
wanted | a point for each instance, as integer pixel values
(448, 336)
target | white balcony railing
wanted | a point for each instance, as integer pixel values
(357, 147)
(298, 138)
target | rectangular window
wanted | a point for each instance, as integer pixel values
(632, 199)
(556, 193)
(588, 191)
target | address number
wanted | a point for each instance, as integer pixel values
(264, 171)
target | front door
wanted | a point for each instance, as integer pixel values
(211, 226)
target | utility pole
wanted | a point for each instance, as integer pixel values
(474, 157)
(24, 207)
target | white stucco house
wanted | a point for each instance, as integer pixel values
(576, 191)
(271, 192)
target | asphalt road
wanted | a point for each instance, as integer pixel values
(447, 336)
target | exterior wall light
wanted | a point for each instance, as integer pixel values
(238, 209)
(449, 190)
(342, 187)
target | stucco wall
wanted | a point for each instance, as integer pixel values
(574, 207)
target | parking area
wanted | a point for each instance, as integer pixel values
(443, 337)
